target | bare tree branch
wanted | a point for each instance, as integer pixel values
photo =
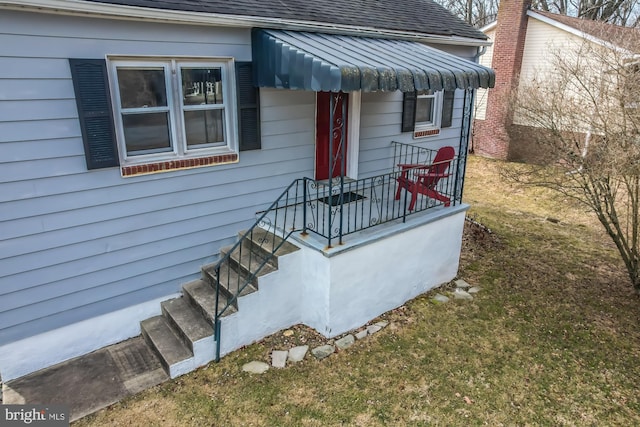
(619, 12)
(476, 12)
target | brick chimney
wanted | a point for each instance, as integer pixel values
(491, 136)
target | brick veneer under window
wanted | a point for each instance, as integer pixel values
(148, 168)
(423, 133)
(491, 136)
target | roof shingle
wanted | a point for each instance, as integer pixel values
(423, 17)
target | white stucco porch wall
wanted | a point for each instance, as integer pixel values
(377, 277)
(274, 307)
(345, 287)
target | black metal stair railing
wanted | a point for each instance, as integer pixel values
(281, 220)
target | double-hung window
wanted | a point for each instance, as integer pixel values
(173, 109)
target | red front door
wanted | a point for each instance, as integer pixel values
(325, 112)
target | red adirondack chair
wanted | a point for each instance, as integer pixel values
(423, 179)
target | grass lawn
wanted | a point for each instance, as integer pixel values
(553, 339)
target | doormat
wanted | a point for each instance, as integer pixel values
(346, 198)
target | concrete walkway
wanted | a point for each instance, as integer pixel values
(90, 382)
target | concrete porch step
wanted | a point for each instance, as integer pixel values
(183, 337)
(231, 281)
(185, 319)
(246, 261)
(175, 356)
(203, 297)
(263, 242)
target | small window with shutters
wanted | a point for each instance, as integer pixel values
(426, 112)
(165, 113)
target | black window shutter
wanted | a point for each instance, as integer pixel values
(91, 86)
(409, 111)
(248, 108)
(447, 108)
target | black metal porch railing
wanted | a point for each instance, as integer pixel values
(412, 154)
(331, 209)
(409, 153)
(334, 210)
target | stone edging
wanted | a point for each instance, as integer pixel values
(279, 358)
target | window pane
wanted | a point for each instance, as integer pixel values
(424, 110)
(202, 86)
(146, 133)
(141, 88)
(204, 127)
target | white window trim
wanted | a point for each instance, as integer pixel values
(177, 132)
(436, 109)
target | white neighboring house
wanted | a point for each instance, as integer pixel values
(520, 53)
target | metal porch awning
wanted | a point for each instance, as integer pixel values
(327, 62)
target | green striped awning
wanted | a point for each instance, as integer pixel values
(326, 62)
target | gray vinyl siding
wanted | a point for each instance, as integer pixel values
(381, 119)
(74, 243)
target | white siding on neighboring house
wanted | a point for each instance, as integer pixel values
(541, 43)
(481, 94)
(77, 244)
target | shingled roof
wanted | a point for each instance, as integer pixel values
(422, 17)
